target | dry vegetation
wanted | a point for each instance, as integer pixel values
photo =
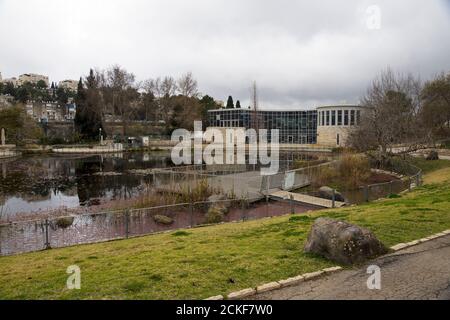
(352, 171)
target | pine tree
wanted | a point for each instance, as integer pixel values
(88, 119)
(230, 104)
(238, 104)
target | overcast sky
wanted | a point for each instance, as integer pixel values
(300, 53)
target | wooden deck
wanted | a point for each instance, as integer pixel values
(307, 199)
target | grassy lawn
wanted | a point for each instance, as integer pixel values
(198, 263)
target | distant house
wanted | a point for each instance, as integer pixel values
(50, 111)
(71, 85)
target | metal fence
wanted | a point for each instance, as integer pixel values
(34, 235)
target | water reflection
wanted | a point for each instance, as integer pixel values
(49, 182)
(42, 183)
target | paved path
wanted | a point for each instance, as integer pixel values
(419, 272)
(307, 199)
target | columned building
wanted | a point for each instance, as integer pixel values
(334, 123)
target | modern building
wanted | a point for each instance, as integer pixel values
(295, 126)
(326, 126)
(71, 85)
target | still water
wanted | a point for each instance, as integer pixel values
(41, 183)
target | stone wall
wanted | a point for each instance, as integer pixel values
(327, 135)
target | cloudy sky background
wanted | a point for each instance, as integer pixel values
(301, 53)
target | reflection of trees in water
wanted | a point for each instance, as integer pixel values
(36, 178)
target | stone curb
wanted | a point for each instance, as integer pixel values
(271, 286)
(241, 294)
(402, 246)
(280, 284)
(220, 297)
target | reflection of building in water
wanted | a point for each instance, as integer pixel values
(36, 197)
(3, 165)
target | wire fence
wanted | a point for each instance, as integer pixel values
(34, 235)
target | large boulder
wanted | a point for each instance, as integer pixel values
(432, 155)
(327, 193)
(220, 202)
(343, 242)
(162, 219)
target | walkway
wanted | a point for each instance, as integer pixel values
(419, 272)
(307, 199)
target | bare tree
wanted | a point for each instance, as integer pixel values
(187, 85)
(392, 103)
(168, 87)
(123, 93)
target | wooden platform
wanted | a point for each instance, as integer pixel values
(321, 202)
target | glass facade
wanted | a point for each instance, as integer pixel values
(298, 127)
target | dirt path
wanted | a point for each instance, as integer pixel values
(419, 272)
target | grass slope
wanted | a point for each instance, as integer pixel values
(201, 262)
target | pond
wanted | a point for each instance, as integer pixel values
(42, 183)
(49, 182)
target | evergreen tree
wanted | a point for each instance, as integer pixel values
(230, 104)
(238, 104)
(88, 119)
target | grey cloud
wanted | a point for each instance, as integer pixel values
(301, 53)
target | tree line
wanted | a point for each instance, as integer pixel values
(115, 95)
(37, 92)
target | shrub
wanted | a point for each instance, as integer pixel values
(64, 222)
(354, 170)
(214, 215)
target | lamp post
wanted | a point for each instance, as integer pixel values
(101, 136)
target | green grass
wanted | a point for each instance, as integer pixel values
(428, 165)
(197, 263)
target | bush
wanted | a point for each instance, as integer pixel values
(354, 170)
(215, 214)
(64, 222)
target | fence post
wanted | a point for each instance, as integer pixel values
(191, 211)
(366, 193)
(390, 187)
(417, 180)
(409, 183)
(127, 223)
(243, 209)
(333, 199)
(291, 197)
(47, 239)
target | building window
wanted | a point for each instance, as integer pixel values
(333, 118)
(352, 117)
(345, 117)
(358, 117)
(328, 118)
(339, 118)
